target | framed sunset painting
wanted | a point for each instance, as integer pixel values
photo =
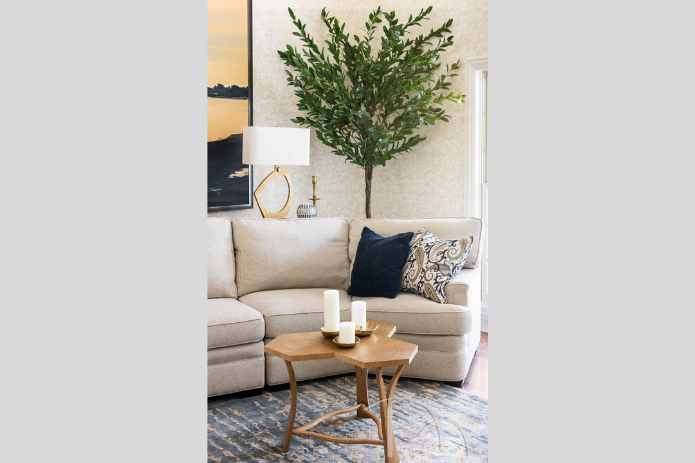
(230, 103)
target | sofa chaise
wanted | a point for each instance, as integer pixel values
(266, 277)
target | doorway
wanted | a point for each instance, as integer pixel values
(477, 190)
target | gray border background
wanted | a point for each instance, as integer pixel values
(103, 293)
(591, 237)
(103, 296)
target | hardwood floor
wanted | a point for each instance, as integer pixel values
(476, 381)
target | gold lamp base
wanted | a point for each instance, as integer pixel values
(314, 198)
(282, 213)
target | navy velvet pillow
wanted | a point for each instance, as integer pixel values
(379, 264)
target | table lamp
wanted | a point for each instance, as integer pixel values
(275, 145)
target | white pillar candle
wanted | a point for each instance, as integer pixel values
(359, 314)
(331, 310)
(347, 333)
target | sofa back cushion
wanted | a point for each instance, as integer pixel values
(444, 229)
(220, 258)
(291, 253)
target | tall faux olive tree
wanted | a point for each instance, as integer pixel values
(366, 103)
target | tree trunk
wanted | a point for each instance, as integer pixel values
(368, 170)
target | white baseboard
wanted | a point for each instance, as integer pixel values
(483, 317)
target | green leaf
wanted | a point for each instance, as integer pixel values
(364, 103)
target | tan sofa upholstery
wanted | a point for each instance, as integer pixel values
(279, 269)
(286, 254)
(464, 288)
(221, 281)
(235, 330)
(231, 323)
(294, 310)
(414, 314)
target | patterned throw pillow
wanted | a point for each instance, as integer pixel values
(432, 263)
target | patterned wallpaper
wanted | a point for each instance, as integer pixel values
(427, 182)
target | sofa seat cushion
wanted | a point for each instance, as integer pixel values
(231, 323)
(294, 310)
(414, 314)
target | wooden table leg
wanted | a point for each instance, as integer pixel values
(293, 408)
(385, 402)
(361, 376)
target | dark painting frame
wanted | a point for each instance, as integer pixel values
(219, 206)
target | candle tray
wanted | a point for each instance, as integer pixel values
(346, 345)
(332, 334)
(368, 330)
(329, 334)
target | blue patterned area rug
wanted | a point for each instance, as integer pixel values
(432, 422)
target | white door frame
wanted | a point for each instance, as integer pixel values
(474, 68)
(474, 181)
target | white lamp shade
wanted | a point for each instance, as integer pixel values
(276, 145)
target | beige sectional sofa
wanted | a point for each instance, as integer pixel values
(266, 277)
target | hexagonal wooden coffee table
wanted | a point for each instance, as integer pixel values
(376, 351)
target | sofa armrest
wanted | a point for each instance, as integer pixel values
(464, 288)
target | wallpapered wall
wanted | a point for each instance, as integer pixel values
(427, 182)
